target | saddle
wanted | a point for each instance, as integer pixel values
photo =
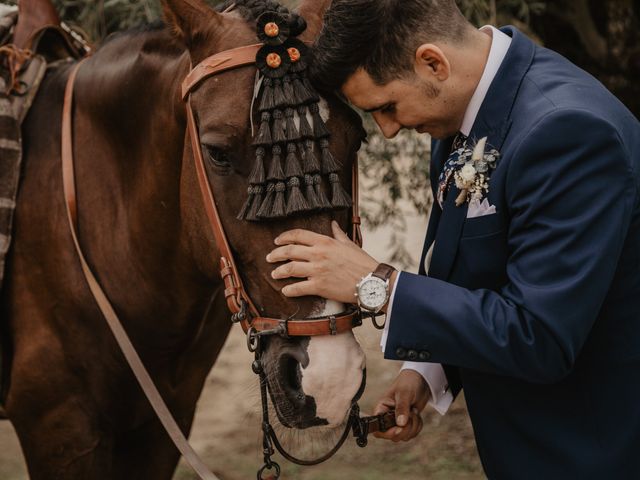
(32, 38)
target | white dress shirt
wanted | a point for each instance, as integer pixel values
(433, 373)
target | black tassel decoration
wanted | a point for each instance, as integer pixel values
(302, 94)
(266, 101)
(292, 164)
(296, 202)
(310, 193)
(256, 200)
(287, 89)
(279, 100)
(275, 170)
(245, 208)
(291, 131)
(329, 163)
(265, 207)
(311, 164)
(264, 135)
(305, 129)
(312, 91)
(257, 174)
(323, 201)
(278, 134)
(339, 198)
(319, 128)
(278, 208)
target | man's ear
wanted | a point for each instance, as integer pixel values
(190, 20)
(431, 62)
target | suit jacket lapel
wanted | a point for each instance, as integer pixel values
(439, 154)
(448, 236)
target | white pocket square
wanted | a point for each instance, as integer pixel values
(478, 209)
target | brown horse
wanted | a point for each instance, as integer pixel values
(72, 399)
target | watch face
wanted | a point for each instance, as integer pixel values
(372, 293)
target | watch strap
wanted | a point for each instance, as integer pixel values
(384, 271)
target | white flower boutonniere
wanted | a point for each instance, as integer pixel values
(473, 178)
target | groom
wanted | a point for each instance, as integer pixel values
(532, 298)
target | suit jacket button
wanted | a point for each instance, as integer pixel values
(424, 356)
(401, 353)
(412, 355)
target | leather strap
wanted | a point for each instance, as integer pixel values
(220, 62)
(383, 271)
(132, 357)
(303, 328)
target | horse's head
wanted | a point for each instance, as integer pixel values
(265, 186)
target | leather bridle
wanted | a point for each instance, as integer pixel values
(238, 300)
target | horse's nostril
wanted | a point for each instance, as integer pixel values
(291, 378)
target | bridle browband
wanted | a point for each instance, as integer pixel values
(238, 301)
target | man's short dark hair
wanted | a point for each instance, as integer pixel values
(380, 36)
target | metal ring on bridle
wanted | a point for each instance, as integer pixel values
(273, 466)
(253, 340)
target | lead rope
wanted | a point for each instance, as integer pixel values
(133, 359)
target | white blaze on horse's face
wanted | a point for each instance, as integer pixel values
(334, 373)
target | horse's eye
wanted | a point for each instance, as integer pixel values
(217, 156)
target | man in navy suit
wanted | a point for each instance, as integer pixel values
(532, 298)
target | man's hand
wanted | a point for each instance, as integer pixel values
(408, 394)
(332, 267)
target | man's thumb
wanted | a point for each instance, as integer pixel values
(402, 410)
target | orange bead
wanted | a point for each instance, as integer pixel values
(274, 60)
(294, 54)
(271, 29)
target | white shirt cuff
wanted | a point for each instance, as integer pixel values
(433, 373)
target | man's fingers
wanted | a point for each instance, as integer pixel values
(300, 237)
(301, 289)
(289, 252)
(293, 270)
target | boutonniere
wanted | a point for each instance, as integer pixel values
(474, 172)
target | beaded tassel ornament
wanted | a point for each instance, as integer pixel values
(292, 138)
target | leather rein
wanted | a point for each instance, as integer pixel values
(238, 301)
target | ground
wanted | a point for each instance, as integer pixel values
(227, 425)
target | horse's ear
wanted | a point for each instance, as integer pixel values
(313, 12)
(190, 19)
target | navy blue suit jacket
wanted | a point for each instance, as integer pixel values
(535, 311)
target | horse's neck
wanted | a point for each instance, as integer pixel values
(129, 170)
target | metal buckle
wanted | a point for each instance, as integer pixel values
(333, 327)
(242, 314)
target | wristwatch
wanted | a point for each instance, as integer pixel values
(373, 290)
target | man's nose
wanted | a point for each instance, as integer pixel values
(388, 126)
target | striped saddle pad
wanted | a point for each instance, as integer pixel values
(13, 109)
(10, 159)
